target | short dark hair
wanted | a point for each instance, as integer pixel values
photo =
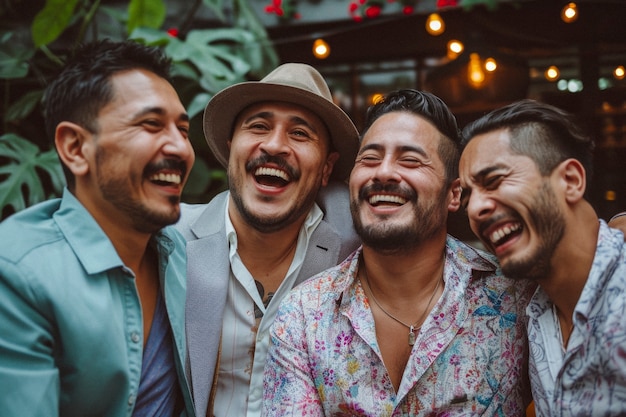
(545, 133)
(83, 86)
(433, 109)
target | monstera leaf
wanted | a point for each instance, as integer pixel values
(20, 173)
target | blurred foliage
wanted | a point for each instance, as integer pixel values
(37, 35)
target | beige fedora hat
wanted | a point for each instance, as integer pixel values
(294, 83)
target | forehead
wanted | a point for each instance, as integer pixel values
(485, 150)
(277, 109)
(143, 89)
(397, 130)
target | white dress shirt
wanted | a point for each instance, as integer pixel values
(244, 342)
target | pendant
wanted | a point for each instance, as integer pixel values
(411, 336)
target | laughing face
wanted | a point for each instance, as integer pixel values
(279, 159)
(140, 156)
(399, 198)
(511, 207)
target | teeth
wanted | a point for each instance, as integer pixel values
(505, 231)
(163, 177)
(273, 172)
(386, 199)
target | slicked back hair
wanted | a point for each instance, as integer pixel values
(546, 134)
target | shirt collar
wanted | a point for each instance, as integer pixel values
(311, 221)
(92, 246)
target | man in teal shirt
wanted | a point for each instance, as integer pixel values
(92, 285)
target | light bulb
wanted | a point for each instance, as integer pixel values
(491, 64)
(435, 25)
(321, 50)
(552, 73)
(475, 73)
(569, 13)
(454, 48)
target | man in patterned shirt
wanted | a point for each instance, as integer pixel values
(413, 323)
(523, 173)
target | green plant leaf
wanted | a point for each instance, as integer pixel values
(145, 13)
(217, 7)
(24, 106)
(198, 103)
(21, 185)
(14, 57)
(52, 20)
(150, 36)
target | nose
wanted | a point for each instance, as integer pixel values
(387, 170)
(479, 205)
(276, 142)
(177, 144)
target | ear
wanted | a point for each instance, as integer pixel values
(455, 195)
(573, 177)
(328, 167)
(69, 139)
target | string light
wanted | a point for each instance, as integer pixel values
(619, 72)
(454, 48)
(475, 73)
(491, 64)
(552, 73)
(569, 13)
(435, 24)
(321, 50)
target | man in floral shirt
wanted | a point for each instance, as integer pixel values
(413, 323)
(523, 173)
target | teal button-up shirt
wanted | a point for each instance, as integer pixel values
(71, 332)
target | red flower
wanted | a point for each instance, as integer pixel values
(407, 9)
(447, 3)
(352, 8)
(372, 11)
(173, 32)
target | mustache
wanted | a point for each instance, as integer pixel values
(388, 188)
(490, 222)
(280, 162)
(167, 164)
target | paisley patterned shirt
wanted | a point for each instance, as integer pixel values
(469, 358)
(589, 378)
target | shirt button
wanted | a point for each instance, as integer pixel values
(134, 336)
(131, 399)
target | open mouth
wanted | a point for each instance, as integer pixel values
(386, 199)
(272, 177)
(505, 233)
(166, 178)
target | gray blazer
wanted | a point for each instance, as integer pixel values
(208, 271)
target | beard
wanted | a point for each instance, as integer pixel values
(393, 238)
(275, 222)
(550, 227)
(119, 192)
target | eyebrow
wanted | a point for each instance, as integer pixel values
(160, 111)
(270, 115)
(406, 148)
(486, 171)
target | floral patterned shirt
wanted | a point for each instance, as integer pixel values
(469, 358)
(589, 378)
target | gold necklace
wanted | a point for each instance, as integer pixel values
(412, 328)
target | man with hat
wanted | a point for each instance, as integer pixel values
(288, 150)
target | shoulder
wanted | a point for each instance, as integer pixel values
(29, 229)
(198, 219)
(328, 285)
(488, 285)
(334, 201)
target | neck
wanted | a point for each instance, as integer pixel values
(405, 275)
(267, 256)
(572, 260)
